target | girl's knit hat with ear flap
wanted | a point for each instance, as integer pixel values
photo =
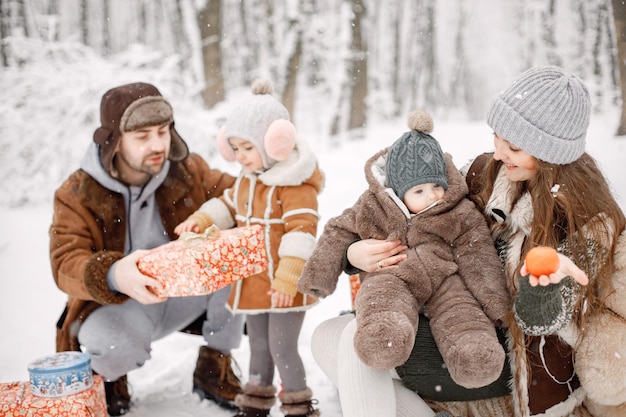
(263, 121)
(545, 112)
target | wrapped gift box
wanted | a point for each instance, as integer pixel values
(62, 373)
(16, 399)
(199, 264)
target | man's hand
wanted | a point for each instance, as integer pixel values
(130, 281)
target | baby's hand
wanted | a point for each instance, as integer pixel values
(188, 225)
(280, 298)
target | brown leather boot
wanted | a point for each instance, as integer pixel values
(118, 397)
(214, 378)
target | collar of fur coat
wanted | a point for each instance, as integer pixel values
(512, 222)
(297, 168)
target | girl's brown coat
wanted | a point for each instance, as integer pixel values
(282, 199)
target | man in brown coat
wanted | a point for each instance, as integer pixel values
(136, 182)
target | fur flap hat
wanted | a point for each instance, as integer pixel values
(131, 107)
(545, 112)
(263, 121)
(416, 158)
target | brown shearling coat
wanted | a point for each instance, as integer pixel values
(251, 294)
(283, 200)
(89, 228)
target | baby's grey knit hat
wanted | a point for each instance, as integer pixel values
(545, 112)
(252, 116)
(416, 157)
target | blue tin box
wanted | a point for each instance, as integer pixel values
(60, 374)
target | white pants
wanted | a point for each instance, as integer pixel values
(363, 391)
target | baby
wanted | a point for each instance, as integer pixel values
(452, 272)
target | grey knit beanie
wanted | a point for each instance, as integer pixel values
(252, 116)
(545, 112)
(416, 157)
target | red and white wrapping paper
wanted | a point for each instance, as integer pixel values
(16, 399)
(199, 264)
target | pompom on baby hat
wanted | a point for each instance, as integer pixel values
(416, 157)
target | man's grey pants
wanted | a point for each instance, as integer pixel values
(118, 336)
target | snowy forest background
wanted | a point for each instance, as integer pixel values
(340, 66)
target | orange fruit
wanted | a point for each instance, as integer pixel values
(542, 260)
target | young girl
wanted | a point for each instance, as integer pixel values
(539, 187)
(277, 188)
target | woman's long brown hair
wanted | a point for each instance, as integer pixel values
(566, 201)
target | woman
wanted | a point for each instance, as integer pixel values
(539, 187)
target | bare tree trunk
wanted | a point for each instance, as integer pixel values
(358, 70)
(610, 50)
(293, 66)
(431, 86)
(395, 78)
(181, 43)
(106, 30)
(335, 126)
(4, 33)
(598, 64)
(549, 35)
(619, 16)
(157, 16)
(53, 25)
(412, 62)
(21, 16)
(84, 22)
(143, 22)
(581, 47)
(459, 87)
(210, 22)
(271, 39)
(526, 33)
(252, 54)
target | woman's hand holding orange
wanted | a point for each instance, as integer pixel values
(545, 266)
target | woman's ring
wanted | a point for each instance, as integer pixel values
(378, 266)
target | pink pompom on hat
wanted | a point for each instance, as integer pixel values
(263, 121)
